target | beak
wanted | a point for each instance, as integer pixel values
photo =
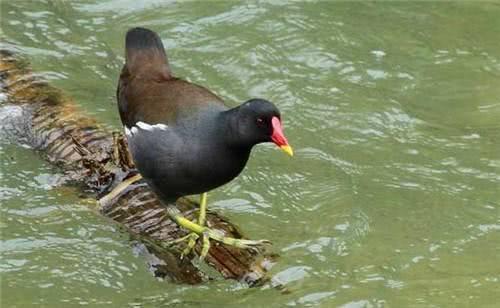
(287, 149)
(279, 138)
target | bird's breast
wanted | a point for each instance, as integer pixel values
(213, 166)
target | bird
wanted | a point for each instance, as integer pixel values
(183, 138)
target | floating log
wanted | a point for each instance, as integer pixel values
(98, 161)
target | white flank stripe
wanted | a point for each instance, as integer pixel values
(149, 127)
(161, 126)
(143, 126)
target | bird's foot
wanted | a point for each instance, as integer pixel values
(192, 239)
(206, 234)
(200, 230)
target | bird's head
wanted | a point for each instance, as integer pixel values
(258, 120)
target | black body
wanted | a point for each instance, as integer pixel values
(182, 137)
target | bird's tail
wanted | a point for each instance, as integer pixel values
(145, 54)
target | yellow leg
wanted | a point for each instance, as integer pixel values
(203, 209)
(193, 236)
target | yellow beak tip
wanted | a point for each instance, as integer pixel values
(287, 149)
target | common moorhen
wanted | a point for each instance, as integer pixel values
(183, 139)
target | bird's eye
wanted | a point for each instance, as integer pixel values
(260, 121)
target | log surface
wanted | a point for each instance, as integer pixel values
(98, 160)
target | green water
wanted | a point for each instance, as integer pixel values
(392, 199)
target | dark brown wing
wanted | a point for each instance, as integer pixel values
(147, 91)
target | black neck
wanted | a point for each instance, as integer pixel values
(230, 129)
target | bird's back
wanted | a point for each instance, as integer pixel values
(147, 90)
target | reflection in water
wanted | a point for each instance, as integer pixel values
(391, 199)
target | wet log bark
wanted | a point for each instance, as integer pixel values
(98, 160)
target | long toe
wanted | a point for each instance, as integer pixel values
(244, 244)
